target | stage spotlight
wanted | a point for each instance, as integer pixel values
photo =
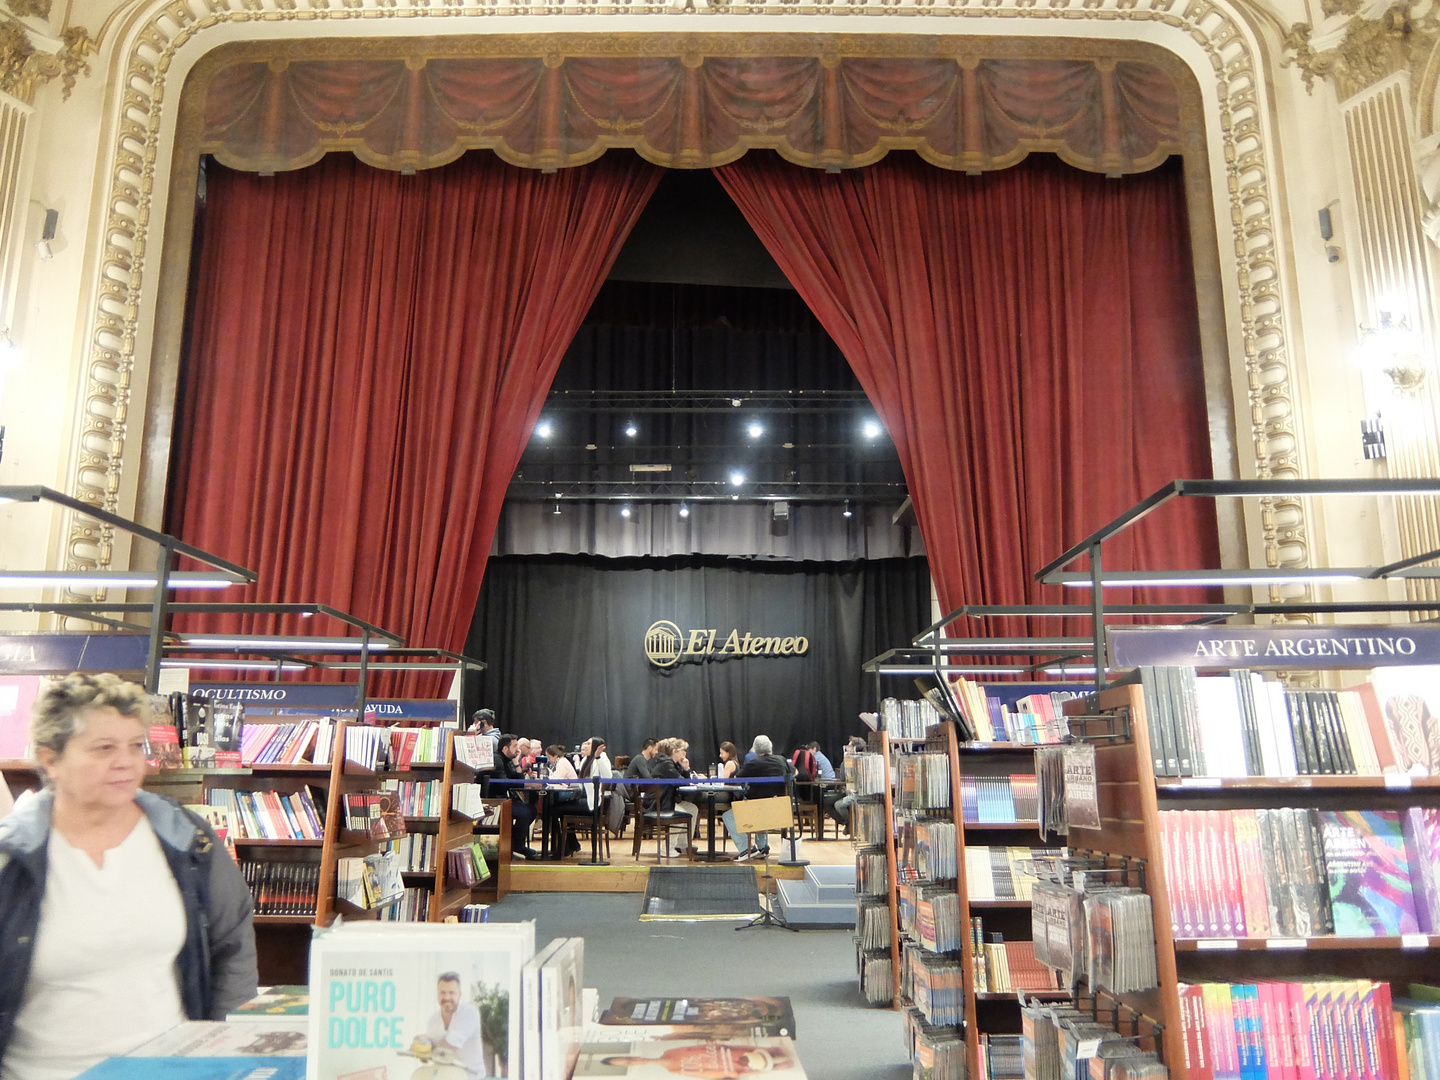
(756, 429)
(544, 429)
(684, 510)
(557, 507)
(871, 429)
(631, 429)
(848, 512)
(737, 478)
(625, 510)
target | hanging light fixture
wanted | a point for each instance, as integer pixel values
(625, 510)
(684, 510)
(848, 512)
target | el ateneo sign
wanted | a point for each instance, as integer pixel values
(666, 644)
(1274, 647)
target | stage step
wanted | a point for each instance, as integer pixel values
(825, 896)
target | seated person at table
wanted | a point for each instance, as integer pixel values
(672, 764)
(764, 763)
(830, 797)
(642, 763)
(595, 762)
(522, 813)
(824, 770)
(121, 914)
(562, 798)
(729, 760)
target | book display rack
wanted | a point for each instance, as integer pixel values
(868, 780)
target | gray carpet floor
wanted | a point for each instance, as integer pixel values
(838, 1036)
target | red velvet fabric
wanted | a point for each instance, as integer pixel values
(1030, 341)
(370, 353)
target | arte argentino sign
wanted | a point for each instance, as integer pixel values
(1274, 647)
(666, 644)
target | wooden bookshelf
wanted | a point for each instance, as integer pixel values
(497, 886)
(951, 745)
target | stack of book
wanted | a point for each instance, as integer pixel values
(417, 746)
(907, 719)
(414, 906)
(872, 924)
(922, 781)
(937, 918)
(1005, 873)
(1036, 719)
(465, 865)
(935, 985)
(871, 873)
(1000, 800)
(373, 813)
(1001, 1057)
(1240, 724)
(415, 851)
(937, 1052)
(282, 888)
(1329, 1029)
(285, 744)
(869, 775)
(367, 747)
(877, 974)
(467, 799)
(1299, 873)
(473, 913)
(416, 798)
(370, 881)
(1003, 967)
(868, 823)
(1060, 1042)
(476, 751)
(270, 815)
(927, 846)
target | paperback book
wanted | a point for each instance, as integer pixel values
(773, 1014)
(389, 998)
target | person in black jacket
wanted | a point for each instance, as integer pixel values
(765, 763)
(121, 915)
(522, 813)
(673, 763)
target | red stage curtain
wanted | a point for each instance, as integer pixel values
(369, 354)
(1029, 339)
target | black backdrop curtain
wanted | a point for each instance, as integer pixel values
(564, 640)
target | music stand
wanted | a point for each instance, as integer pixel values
(765, 816)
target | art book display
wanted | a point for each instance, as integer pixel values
(389, 1000)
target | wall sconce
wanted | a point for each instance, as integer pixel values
(1393, 348)
(1372, 439)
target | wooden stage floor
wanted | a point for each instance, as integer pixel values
(626, 873)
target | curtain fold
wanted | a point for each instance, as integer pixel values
(368, 355)
(1030, 340)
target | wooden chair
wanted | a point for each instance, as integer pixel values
(651, 822)
(809, 809)
(581, 826)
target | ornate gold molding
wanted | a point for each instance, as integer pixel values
(1371, 50)
(24, 68)
(1242, 125)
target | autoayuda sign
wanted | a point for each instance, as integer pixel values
(666, 644)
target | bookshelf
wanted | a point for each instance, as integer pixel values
(875, 803)
(451, 828)
(497, 886)
(1132, 800)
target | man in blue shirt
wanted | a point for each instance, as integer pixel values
(822, 763)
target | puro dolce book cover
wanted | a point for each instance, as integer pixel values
(433, 1001)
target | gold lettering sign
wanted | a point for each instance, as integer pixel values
(666, 644)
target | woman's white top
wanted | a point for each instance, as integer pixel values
(602, 769)
(102, 980)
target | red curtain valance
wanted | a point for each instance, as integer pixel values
(1101, 114)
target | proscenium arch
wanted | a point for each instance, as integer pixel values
(151, 167)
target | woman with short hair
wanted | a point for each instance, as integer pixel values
(121, 914)
(672, 763)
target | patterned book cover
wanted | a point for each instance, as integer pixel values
(1369, 873)
(1421, 827)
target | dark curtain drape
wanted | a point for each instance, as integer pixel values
(1030, 339)
(564, 639)
(368, 356)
